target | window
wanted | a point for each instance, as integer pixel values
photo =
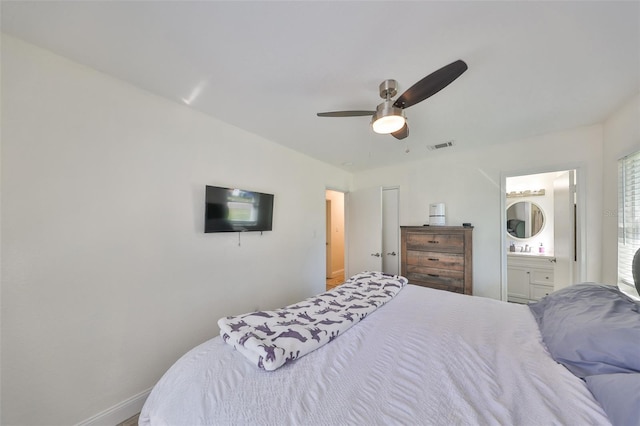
(628, 220)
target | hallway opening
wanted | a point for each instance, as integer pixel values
(335, 234)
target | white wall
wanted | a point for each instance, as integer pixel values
(468, 182)
(621, 137)
(107, 276)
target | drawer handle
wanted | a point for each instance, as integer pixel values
(433, 259)
(434, 275)
(434, 241)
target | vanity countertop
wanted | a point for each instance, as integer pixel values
(531, 254)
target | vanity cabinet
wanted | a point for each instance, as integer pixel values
(438, 257)
(529, 277)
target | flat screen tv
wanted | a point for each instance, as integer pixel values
(237, 210)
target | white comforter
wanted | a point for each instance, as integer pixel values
(427, 357)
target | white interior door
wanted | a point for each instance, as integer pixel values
(563, 229)
(390, 231)
(364, 230)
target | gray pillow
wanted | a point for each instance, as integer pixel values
(591, 329)
(619, 395)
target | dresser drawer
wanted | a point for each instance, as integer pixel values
(433, 259)
(438, 278)
(445, 242)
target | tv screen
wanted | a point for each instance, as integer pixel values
(237, 210)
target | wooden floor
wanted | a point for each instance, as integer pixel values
(334, 282)
(133, 421)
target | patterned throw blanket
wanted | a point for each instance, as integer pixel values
(270, 339)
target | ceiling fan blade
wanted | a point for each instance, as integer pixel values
(431, 84)
(402, 133)
(346, 114)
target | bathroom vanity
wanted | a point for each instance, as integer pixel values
(530, 276)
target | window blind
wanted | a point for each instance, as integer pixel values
(628, 219)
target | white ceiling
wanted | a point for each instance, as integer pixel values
(268, 67)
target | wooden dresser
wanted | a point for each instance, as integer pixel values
(438, 257)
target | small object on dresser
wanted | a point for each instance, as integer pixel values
(512, 247)
(467, 225)
(437, 214)
(541, 249)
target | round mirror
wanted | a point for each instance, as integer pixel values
(524, 219)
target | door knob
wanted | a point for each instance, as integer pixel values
(375, 254)
(393, 253)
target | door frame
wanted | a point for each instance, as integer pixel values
(328, 240)
(581, 210)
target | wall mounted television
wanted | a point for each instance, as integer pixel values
(237, 210)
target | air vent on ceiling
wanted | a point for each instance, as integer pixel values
(440, 145)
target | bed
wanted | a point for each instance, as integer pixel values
(424, 356)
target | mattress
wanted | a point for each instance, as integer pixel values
(426, 357)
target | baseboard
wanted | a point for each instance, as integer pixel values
(119, 412)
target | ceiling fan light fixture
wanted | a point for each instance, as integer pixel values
(387, 118)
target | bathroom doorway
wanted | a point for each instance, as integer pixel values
(541, 234)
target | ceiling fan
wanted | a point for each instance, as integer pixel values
(389, 115)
